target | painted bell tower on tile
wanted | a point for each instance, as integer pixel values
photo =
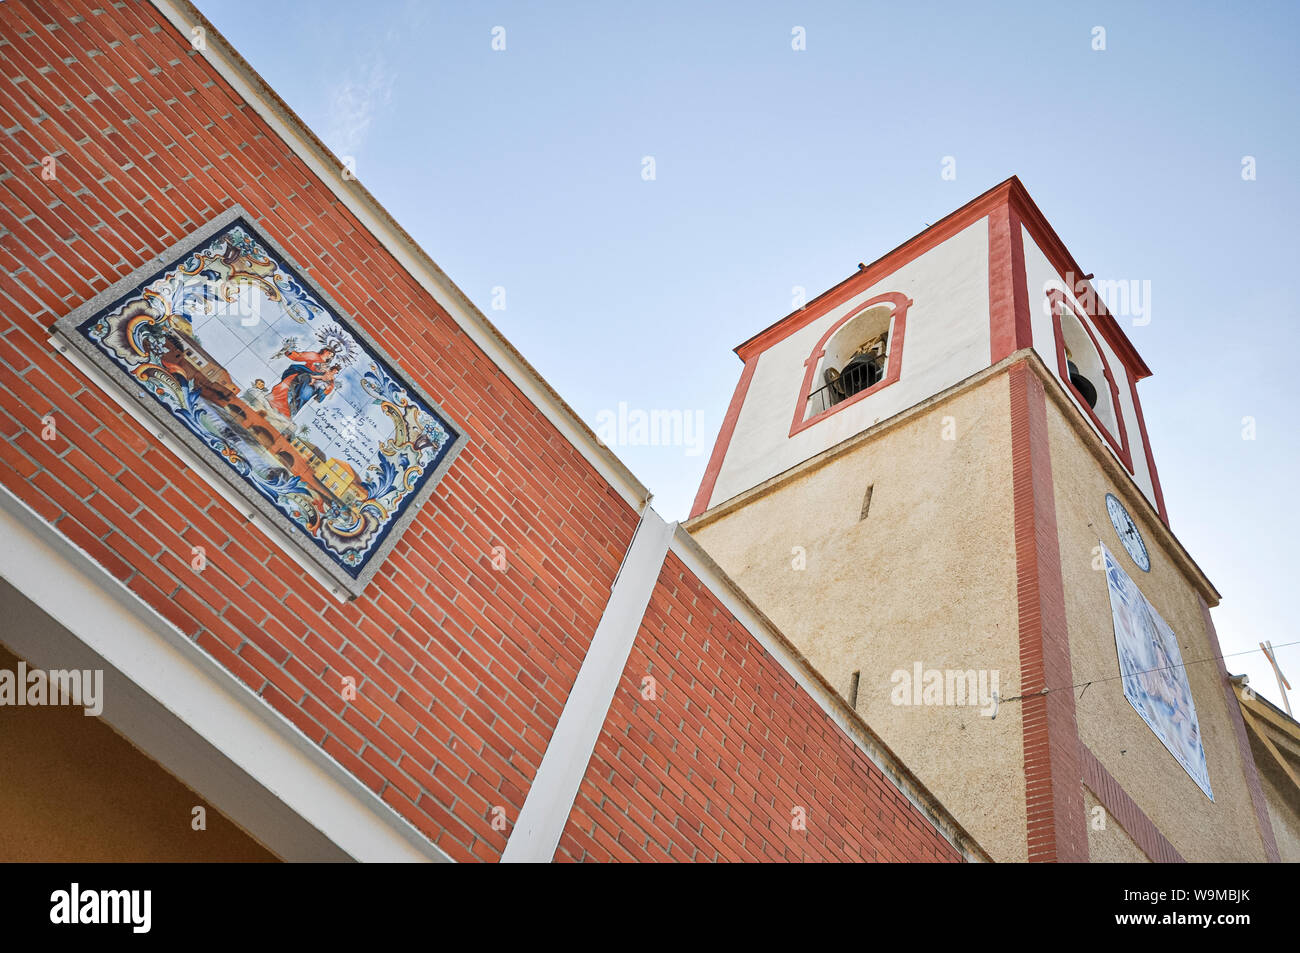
(933, 477)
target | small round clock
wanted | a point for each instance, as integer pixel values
(1128, 533)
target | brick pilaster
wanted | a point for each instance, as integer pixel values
(1054, 800)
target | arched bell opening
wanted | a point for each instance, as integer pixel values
(1087, 368)
(855, 358)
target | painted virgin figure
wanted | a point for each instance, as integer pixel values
(310, 377)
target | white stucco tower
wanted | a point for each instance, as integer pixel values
(920, 472)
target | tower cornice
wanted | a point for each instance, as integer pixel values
(1010, 194)
(1121, 479)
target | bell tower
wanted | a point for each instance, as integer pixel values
(936, 479)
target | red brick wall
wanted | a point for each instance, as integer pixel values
(711, 768)
(461, 670)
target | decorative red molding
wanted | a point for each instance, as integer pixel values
(850, 287)
(1010, 194)
(1069, 271)
(1055, 820)
(1010, 324)
(1011, 213)
(1146, 447)
(723, 442)
(1055, 298)
(880, 269)
(900, 303)
(1248, 768)
(1125, 810)
(1021, 211)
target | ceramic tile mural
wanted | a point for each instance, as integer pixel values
(1154, 677)
(285, 397)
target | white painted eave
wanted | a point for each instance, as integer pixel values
(194, 690)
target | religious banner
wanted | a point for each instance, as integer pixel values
(1155, 680)
(255, 370)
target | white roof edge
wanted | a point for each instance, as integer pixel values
(115, 623)
(353, 195)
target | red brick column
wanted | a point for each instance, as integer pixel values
(1054, 799)
(1009, 316)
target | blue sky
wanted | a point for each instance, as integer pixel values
(522, 169)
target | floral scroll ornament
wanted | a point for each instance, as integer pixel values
(266, 374)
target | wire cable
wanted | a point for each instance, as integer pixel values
(1111, 678)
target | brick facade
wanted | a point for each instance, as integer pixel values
(714, 765)
(461, 669)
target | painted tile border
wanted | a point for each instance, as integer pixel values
(288, 537)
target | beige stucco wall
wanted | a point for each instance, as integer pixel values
(1108, 842)
(928, 577)
(1280, 791)
(1201, 829)
(1285, 816)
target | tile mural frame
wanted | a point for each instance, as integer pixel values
(297, 541)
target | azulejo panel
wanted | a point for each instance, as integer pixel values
(224, 342)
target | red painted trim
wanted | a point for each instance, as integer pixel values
(1010, 323)
(881, 268)
(901, 303)
(1023, 213)
(1125, 810)
(1069, 271)
(1146, 447)
(1056, 298)
(723, 442)
(1248, 768)
(1055, 822)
